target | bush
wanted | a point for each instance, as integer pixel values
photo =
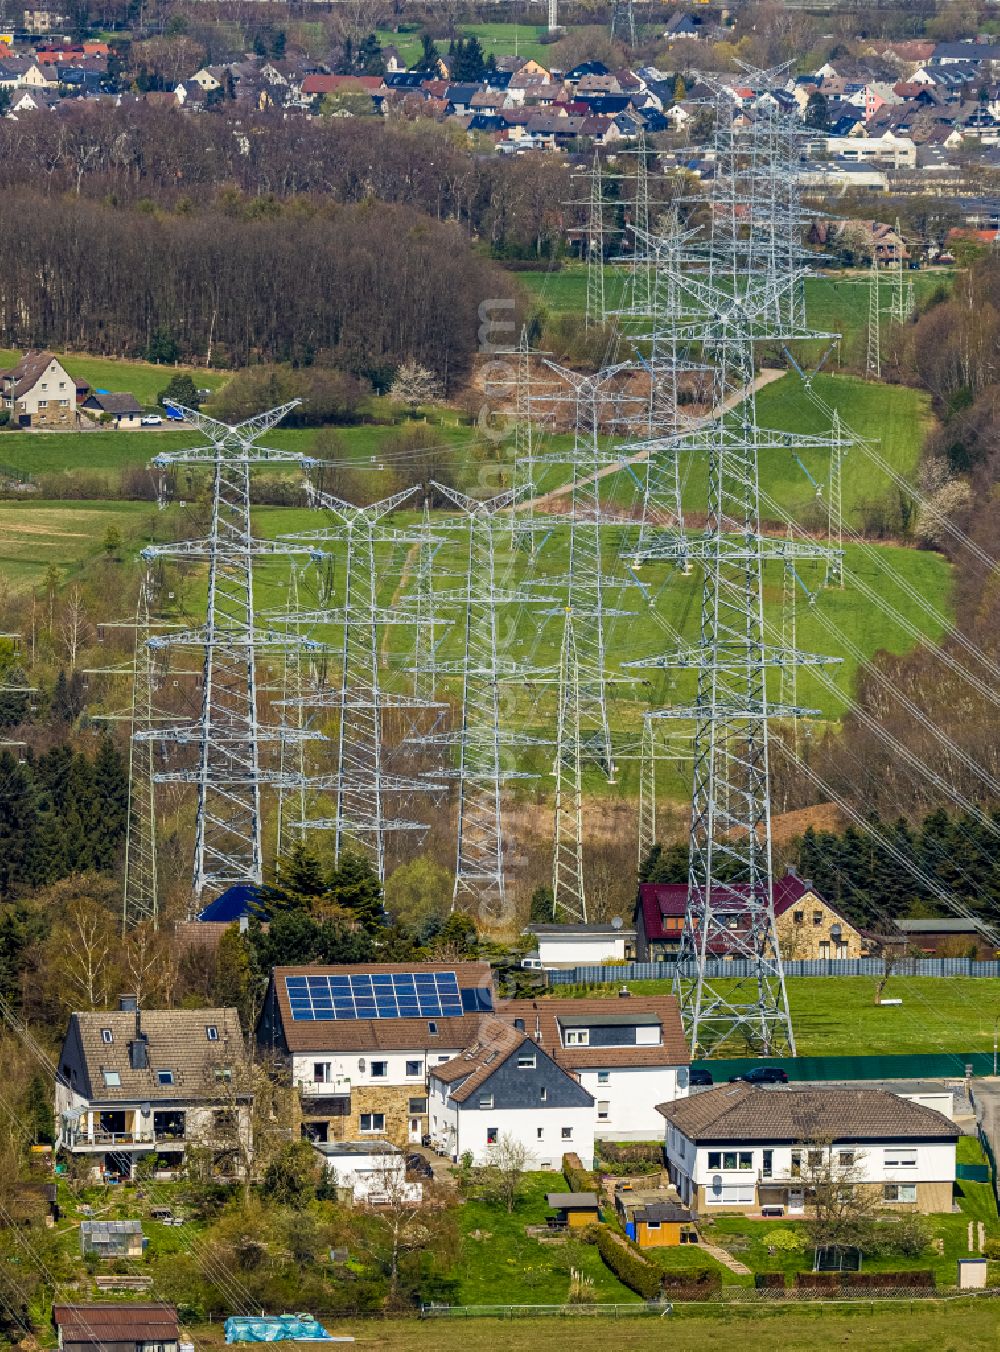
(992, 1249)
(328, 395)
(786, 1241)
(578, 1179)
(873, 1280)
(769, 1281)
(704, 1285)
(630, 1269)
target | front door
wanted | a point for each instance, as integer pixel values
(796, 1201)
(415, 1132)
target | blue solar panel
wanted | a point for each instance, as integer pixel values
(377, 995)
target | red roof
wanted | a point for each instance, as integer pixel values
(662, 901)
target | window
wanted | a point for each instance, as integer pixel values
(767, 1164)
(62, 384)
(898, 1158)
(492, 1135)
(165, 1076)
(715, 1159)
(845, 1158)
(815, 1158)
(798, 917)
(112, 1079)
(107, 1035)
(824, 948)
(322, 1072)
(373, 1122)
(729, 1159)
(443, 1059)
(223, 1074)
(900, 1192)
(43, 403)
(817, 917)
(418, 1106)
(211, 1032)
(519, 1025)
(432, 1027)
(730, 1194)
(746, 1159)
(577, 1037)
(543, 1093)
(647, 1035)
(603, 1110)
(526, 1061)
(486, 1100)
(539, 1133)
(414, 1068)
(652, 1225)
(567, 1133)
(379, 1070)
(796, 1169)
(604, 1077)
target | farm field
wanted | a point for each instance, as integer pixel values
(36, 535)
(836, 1016)
(143, 379)
(502, 39)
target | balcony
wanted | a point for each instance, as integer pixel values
(338, 1087)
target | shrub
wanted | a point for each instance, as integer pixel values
(992, 1249)
(630, 1269)
(786, 1241)
(767, 1281)
(873, 1280)
(578, 1179)
(704, 1285)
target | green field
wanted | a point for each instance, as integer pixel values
(140, 378)
(36, 535)
(837, 1016)
(502, 39)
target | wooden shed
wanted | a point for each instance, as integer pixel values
(575, 1208)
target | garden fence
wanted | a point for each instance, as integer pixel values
(741, 967)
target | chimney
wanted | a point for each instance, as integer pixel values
(127, 1004)
(138, 1048)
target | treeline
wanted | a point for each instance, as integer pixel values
(249, 163)
(60, 813)
(361, 287)
(856, 874)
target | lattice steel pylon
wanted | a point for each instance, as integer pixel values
(902, 303)
(873, 362)
(361, 783)
(427, 624)
(835, 508)
(597, 310)
(623, 21)
(522, 522)
(569, 896)
(292, 776)
(140, 899)
(228, 733)
(750, 295)
(789, 672)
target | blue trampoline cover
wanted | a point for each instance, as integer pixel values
(236, 902)
(281, 1328)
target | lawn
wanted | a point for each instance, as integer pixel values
(140, 378)
(502, 39)
(837, 1016)
(501, 1263)
(35, 535)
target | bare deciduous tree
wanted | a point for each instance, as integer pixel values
(509, 1159)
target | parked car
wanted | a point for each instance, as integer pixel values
(700, 1076)
(152, 420)
(417, 1164)
(761, 1075)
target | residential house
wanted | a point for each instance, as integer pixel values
(629, 1054)
(948, 936)
(970, 50)
(807, 925)
(359, 1041)
(868, 239)
(124, 410)
(747, 1149)
(125, 1326)
(897, 152)
(43, 21)
(112, 1239)
(506, 1085)
(133, 1083)
(39, 391)
(373, 1171)
(582, 945)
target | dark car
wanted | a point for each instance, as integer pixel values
(416, 1164)
(762, 1075)
(700, 1076)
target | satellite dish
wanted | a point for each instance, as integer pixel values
(617, 922)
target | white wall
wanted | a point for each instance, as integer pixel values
(632, 1094)
(347, 1066)
(370, 1175)
(579, 950)
(456, 1129)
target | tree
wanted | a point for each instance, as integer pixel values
(112, 542)
(301, 882)
(181, 389)
(468, 63)
(458, 938)
(817, 111)
(429, 55)
(680, 91)
(418, 896)
(414, 385)
(355, 887)
(291, 1176)
(81, 956)
(540, 910)
(507, 1162)
(843, 1207)
(412, 1218)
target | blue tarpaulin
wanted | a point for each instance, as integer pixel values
(280, 1328)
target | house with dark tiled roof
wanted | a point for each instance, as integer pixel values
(121, 409)
(752, 1150)
(807, 925)
(624, 1051)
(136, 1082)
(359, 1042)
(39, 392)
(506, 1086)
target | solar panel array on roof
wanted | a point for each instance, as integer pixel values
(378, 995)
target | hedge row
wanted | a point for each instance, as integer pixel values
(579, 1179)
(638, 1275)
(831, 1281)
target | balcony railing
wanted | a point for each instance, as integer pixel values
(338, 1087)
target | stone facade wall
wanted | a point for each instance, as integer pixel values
(800, 941)
(392, 1100)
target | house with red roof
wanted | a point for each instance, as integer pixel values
(808, 926)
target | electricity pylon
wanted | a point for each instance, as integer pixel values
(292, 777)
(835, 509)
(227, 735)
(522, 522)
(902, 303)
(569, 899)
(426, 626)
(873, 363)
(597, 310)
(789, 684)
(140, 902)
(623, 21)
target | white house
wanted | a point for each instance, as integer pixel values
(630, 1054)
(375, 1171)
(746, 1149)
(583, 945)
(137, 1082)
(505, 1086)
(359, 1041)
